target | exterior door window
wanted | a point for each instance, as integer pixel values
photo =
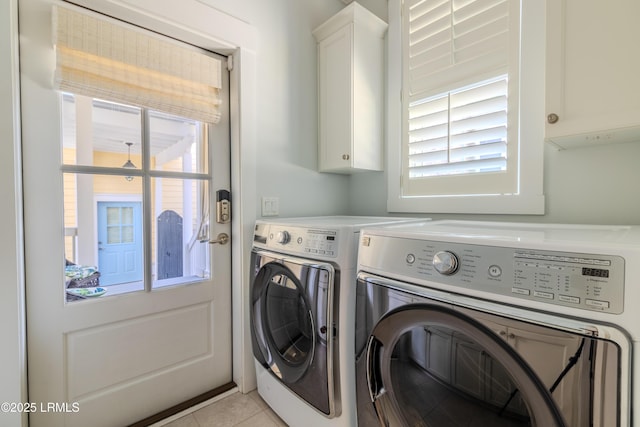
(136, 196)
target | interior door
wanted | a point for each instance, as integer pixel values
(133, 351)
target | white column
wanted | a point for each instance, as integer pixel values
(87, 247)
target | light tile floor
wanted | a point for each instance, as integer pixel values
(235, 410)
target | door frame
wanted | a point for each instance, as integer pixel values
(235, 37)
(13, 354)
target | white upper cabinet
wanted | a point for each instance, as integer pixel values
(593, 72)
(350, 91)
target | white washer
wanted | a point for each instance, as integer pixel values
(489, 311)
(302, 316)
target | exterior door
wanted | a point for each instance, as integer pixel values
(119, 242)
(131, 352)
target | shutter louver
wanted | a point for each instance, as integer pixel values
(104, 59)
(453, 40)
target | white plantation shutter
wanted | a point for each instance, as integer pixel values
(459, 123)
(103, 58)
(460, 132)
(454, 41)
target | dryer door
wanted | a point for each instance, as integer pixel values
(430, 365)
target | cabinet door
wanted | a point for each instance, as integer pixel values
(438, 358)
(592, 72)
(335, 99)
(468, 367)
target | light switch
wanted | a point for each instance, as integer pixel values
(270, 206)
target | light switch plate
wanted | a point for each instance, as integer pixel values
(270, 206)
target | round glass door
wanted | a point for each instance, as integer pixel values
(285, 323)
(429, 365)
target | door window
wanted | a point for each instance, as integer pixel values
(432, 365)
(136, 196)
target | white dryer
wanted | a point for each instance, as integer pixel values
(303, 316)
(465, 323)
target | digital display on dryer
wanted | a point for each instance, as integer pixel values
(595, 272)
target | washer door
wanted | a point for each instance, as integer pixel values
(463, 374)
(283, 322)
(292, 325)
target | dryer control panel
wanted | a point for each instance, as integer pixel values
(299, 240)
(578, 280)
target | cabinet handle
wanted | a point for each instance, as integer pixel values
(552, 118)
(345, 157)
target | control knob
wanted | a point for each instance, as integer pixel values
(445, 262)
(283, 237)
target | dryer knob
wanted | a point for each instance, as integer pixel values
(445, 262)
(283, 237)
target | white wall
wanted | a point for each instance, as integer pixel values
(13, 370)
(286, 141)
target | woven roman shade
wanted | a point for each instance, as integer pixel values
(103, 58)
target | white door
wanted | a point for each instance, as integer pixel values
(129, 349)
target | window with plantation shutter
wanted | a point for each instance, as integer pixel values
(460, 122)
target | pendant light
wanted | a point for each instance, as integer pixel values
(129, 164)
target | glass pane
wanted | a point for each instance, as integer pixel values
(289, 322)
(113, 216)
(100, 133)
(103, 235)
(113, 235)
(177, 144)
(127, 234)
(127, 215)
(180, 252)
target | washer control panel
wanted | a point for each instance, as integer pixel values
(579, 280)
(302, 240)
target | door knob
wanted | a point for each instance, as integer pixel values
(223, 239)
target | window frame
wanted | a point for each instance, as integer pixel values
(529, 197)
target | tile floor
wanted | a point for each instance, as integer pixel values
(235, 410)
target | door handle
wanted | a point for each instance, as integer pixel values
(374, 382)
(223, 239)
